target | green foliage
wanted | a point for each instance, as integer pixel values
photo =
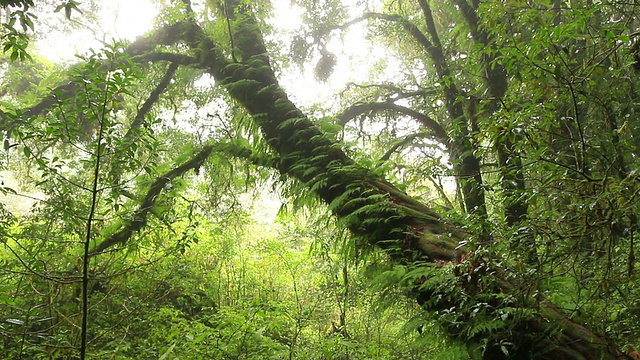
(518, 118)
(68, 7)
(14, 39)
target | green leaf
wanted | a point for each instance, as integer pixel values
(168, 352)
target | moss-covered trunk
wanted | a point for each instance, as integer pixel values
(371, 207)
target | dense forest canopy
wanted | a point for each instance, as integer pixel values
(470, 191)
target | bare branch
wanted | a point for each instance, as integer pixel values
(400, 144)
(152, 99)
(413, 30)
(438, 131)
(395, 92)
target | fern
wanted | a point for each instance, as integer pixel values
(486, 327)
(243, 85)
(453, 351)
(390, 277)
(290, 123)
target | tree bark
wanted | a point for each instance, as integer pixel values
(495, 78)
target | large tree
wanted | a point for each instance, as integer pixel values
(501, 90)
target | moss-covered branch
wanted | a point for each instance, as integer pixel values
(139, 217)
(369, 205)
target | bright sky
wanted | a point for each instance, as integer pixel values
(356, 56)
(127, 19)
(121, 19)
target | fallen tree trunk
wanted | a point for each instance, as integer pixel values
(374, 210)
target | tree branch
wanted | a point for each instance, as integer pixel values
(431, 27)
(413, 30)
(166, 35)
(396, 93)
(139, 217)
(152, 99)
(351, 112)
(400, 144)
(131, 135)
